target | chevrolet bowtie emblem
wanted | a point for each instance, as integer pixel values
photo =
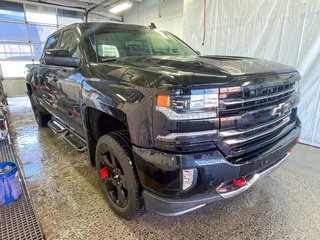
(280, 110)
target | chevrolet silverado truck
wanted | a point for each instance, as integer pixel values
(168, 130)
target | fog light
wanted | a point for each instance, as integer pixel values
(189, 178)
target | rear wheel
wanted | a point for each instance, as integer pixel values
(117, 177)
(41, 117)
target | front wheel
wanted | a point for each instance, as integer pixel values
(117, 177)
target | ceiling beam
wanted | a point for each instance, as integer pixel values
(75, 5)
(69, 3)
(99, 7)
(48, 4)
(83, 3)
(95, 8)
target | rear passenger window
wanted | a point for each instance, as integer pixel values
(69, 42)
(52, 41)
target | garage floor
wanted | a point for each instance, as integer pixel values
(65, 192)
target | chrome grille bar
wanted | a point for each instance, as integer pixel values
(235, 141)
(240, 98)
(231, 133)
(242, 101)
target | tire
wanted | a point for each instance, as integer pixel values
(41, 117)
(120, 187)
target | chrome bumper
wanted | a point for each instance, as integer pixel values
(251, 180)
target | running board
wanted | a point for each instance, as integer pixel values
(56, 127)
(75, 141)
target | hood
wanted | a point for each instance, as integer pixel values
(194, 70)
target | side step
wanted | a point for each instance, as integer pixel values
(75, 141)
(56, 127)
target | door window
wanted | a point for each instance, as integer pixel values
(69, 42)
(52, 42)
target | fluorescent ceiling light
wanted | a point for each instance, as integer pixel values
(121, 7)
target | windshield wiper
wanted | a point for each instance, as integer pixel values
(109, 59)
(159, 53)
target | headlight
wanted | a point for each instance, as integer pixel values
(188, 105)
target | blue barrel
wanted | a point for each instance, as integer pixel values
(10, 184)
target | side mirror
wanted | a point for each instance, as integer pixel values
(61, 57)
(198, 52)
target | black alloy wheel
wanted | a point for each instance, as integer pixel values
(117, 177)
(113, 177)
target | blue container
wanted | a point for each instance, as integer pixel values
(10, 184)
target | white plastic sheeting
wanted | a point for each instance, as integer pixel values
(167, 15)
(285, 31)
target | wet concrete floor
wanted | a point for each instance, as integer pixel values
(65, 193)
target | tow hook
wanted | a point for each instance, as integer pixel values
(236, 186)
(233, 185)
(240, 182)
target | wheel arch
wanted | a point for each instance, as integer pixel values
(29, 89)
(98, 123)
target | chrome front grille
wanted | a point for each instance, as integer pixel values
(233, 137)
(241, 98)
(252, 115)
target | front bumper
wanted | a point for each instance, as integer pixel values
(160, 175)
(175, 207)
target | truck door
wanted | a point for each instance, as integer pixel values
(66, 83)
(45, 79)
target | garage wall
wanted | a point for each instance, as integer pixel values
(166, 14)
(285, 31)
(29, 24)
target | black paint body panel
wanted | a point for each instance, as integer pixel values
(126, 89)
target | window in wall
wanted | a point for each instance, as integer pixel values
(2, 51)
(15, 51)
(37, 51)
(39, 32)
(13, 31)
(66, 17)
(11, 11)
(69, 42)
(41, 14)
(13, 68)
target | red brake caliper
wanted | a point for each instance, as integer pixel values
(239, 182)
(104, 173)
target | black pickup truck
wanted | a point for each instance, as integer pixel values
(167, 129)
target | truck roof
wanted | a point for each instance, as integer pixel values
(84, 26)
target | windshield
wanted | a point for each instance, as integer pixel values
(109, 45)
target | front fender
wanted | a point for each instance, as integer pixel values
(130, 105)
